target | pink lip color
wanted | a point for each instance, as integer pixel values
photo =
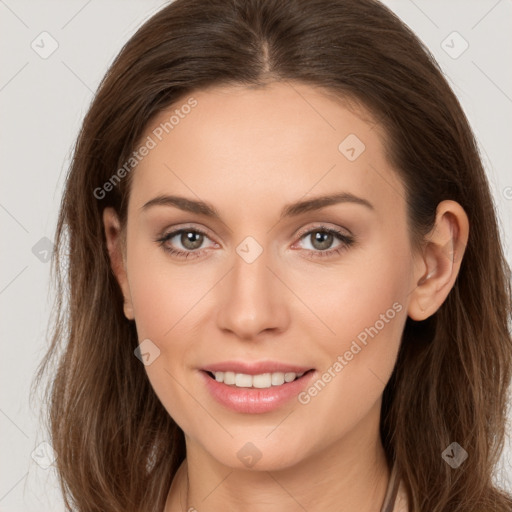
(252, 400)
(255, 368)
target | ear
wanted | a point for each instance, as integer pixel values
(116, 250)
(438, 264)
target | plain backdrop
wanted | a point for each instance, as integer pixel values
(54, 54)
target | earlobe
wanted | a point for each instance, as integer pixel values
(115, 247)
(439, 263)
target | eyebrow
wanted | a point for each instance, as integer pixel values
(289, 210)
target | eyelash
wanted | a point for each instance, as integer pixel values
(347, 241)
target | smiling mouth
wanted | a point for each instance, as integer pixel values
(259, 381)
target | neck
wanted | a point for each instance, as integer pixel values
(349, 474)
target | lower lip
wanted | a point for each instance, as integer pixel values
(255, 400)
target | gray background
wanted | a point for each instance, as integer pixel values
(42, 103)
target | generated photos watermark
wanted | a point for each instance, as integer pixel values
(343, 360)
(143, 150)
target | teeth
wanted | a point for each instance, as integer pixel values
(263, 380)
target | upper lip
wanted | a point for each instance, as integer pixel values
(255, 368)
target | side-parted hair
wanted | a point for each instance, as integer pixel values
(117, 447)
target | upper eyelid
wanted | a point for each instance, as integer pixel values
(300, 232)
(324, 227)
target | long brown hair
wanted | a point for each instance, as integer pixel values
(118, 448)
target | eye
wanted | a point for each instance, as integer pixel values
(322, 238)
(190, 239)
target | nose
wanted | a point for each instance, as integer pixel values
(252, 298)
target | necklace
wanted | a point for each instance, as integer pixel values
(186, 498)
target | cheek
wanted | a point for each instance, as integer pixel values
(165, 301)
(355, 297)
(366, 309)
(164, 294)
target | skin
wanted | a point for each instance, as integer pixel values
(249, 152)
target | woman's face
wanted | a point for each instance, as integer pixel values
(266, 279)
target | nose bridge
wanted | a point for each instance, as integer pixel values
(250, 272)
(251, 298)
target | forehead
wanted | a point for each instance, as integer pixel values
(281, 141)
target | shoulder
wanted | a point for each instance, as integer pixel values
(401, 502)
(396, 499)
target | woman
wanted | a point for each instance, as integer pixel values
(287, 289)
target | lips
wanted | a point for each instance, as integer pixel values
(255, 368)
(259, 398)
